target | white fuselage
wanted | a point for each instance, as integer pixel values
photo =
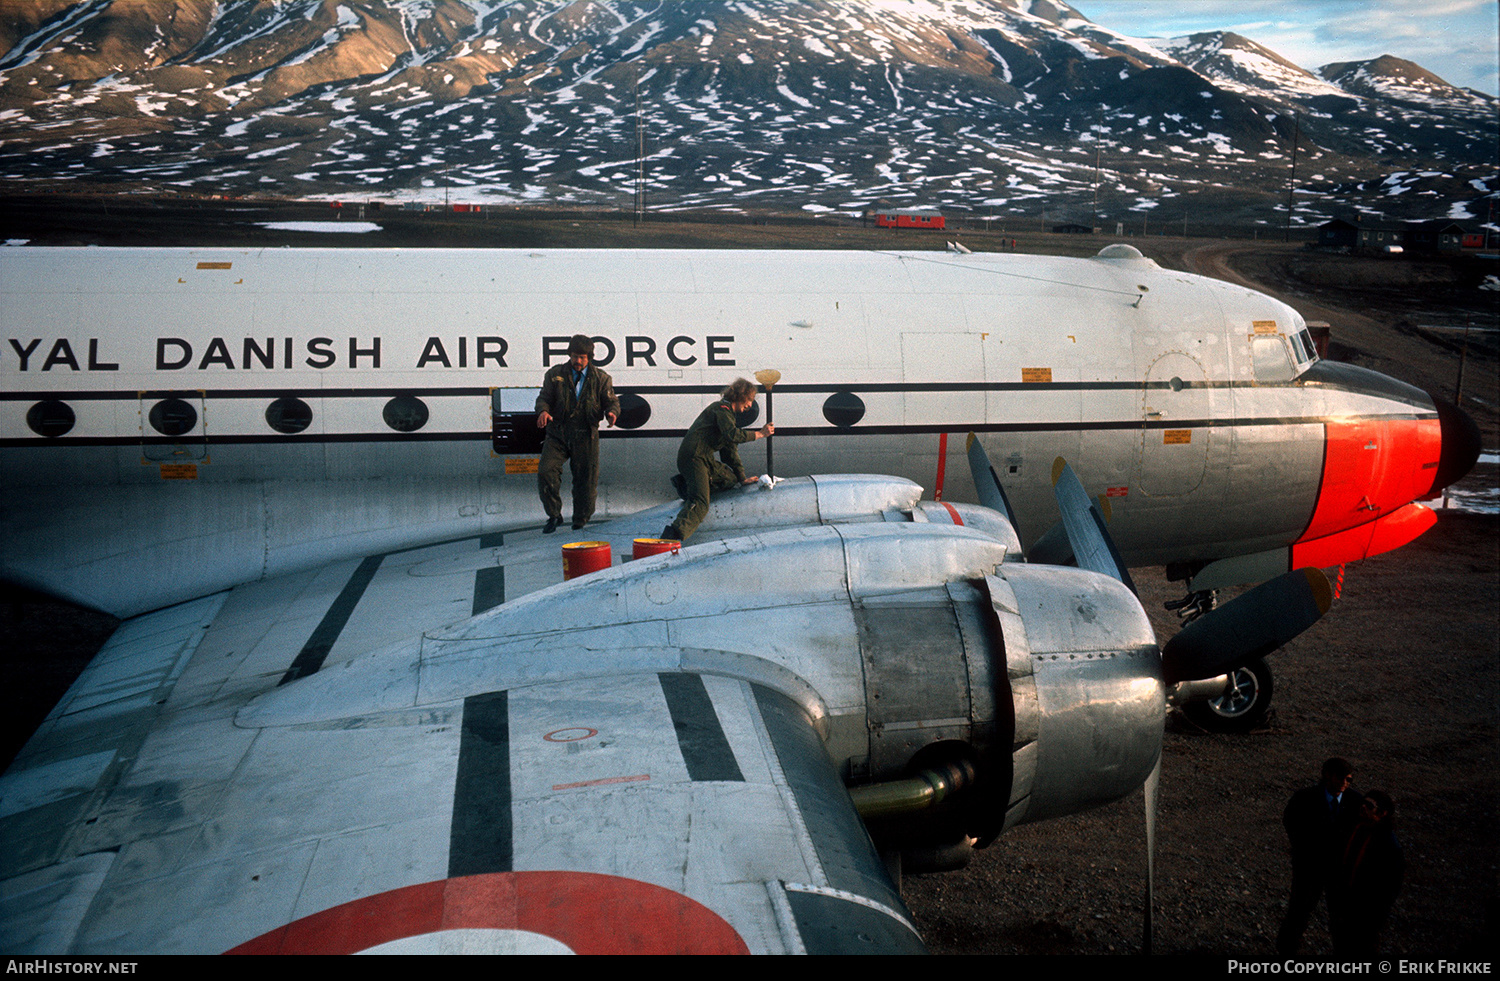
(1172, 394)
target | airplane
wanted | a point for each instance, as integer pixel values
(353, 709)
(179, 421)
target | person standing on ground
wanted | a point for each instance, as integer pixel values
(575, 397)
(714, 431)
(1317, 819)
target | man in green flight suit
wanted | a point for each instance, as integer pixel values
(714, 431)
(574, 398)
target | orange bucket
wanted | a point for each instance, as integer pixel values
(654, 546)
(581, 558)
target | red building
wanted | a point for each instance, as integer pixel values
(908, 219)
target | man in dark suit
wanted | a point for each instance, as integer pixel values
(1317, 818)
(575, 397)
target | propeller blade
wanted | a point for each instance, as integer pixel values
(1052, 548)
(1251, 626)
(1084, 524)
(987, 482)
(1148, 928)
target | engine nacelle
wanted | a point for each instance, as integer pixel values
(907, 643)
(1047, 679)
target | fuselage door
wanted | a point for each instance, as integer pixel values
(174, 427)
(513, 428)
(1175, 402)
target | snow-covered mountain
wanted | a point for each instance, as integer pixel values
(994, 106)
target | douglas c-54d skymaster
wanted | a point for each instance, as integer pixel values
(179, 421)
(365, 715)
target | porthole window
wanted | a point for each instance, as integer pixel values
(634, 411)
(173, 417)
(50, 418)
(844, 409)
(405, 413)
(747, 418)
(289, 415)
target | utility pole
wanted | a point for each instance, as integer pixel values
(640, 153)
(1291, 187)
(1094, 221)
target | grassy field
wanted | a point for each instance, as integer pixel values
(84, 220)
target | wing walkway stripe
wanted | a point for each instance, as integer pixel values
(315, 651)
(481, 839)
(848, 860)
(489, 589)
(705, 749)
(489, 584)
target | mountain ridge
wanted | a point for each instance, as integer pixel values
(997, 106)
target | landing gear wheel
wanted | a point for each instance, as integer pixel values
(1243, 708)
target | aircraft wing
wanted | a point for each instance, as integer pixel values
(182, 798)
(446, 748)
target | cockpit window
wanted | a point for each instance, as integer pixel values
(1302, 347)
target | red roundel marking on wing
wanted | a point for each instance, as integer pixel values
(571, 734)
(590, 913)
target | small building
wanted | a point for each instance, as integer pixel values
(1338, 234)
(1377, 237)
(1438, 235)
(909, 219)
(1073, 228)
(1441, 235)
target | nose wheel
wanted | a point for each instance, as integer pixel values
(1243, 708)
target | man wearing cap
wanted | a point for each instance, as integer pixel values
(575, 397)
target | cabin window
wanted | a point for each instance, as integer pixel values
(844, 409)
(173, 417)
(289, 415)
(50, 418)
(635, 411)
(405, 413)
